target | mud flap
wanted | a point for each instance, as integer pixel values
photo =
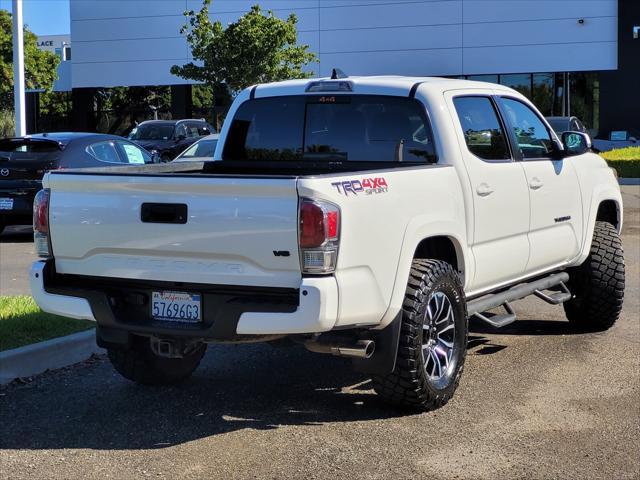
(383, 360)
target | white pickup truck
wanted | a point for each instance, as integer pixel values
(364, 217)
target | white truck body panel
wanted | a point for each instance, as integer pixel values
(377, 227)
(234, 226)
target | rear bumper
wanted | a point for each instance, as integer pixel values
(66, 306)
(229, 313)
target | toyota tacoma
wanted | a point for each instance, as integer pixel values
(365, 217)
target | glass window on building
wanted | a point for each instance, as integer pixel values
(543, 93)
(484, 78)
(519, 82)
(585, 98)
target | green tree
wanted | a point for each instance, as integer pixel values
(40, 66)
(256, 48)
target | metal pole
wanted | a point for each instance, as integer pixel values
(568, 94)
(18, 69)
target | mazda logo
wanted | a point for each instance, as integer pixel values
(4, 172)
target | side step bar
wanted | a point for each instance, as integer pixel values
(487, 302)
(499, 321)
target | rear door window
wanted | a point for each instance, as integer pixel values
(359, 128)
(483, 132)
(104, 152)
(132, 154)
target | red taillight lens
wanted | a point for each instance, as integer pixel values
(41, 212)
(312, 232)
(319, 236)
(332, 225)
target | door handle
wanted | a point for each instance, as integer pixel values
(535, 183)
(484, 189)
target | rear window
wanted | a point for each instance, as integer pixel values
(26, 146)
(203, 148)
(332, 128)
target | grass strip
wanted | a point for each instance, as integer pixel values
(23, 323)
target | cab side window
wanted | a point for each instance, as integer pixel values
(483, 132)
(533, 138)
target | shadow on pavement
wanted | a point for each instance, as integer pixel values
(250, 386)
(236, 387)
(17, 234)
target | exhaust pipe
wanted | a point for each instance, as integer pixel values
(361, 349)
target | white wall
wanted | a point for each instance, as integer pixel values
(135, 42)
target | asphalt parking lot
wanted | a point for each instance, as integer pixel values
(536, 401)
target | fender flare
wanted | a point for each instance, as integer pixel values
(419, 229)
(601, 193)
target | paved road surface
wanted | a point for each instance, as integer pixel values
(16, 255)
(536, 401)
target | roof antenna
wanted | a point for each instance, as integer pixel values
(336, 73)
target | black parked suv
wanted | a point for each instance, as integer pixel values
(24, 161)
(169, 138)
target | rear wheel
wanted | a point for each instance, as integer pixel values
(433, 339)
(141, 365)
(598, 284)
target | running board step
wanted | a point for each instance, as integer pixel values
(555, 298)
(498, 321)
(523, 290)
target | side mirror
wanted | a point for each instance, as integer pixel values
(575, 143)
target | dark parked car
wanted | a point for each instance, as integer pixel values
(24, 161)
(566, 124)
(169, 138)
(201, 151)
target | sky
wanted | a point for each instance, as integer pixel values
(44, 17)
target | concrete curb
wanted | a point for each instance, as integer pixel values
(629, 181)
(48, 355)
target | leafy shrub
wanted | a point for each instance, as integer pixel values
(626, 161)
(7, 124)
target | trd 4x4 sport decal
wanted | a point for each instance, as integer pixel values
(368, 186)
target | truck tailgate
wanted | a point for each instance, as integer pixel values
(238, 230)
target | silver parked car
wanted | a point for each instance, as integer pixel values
(201, 151)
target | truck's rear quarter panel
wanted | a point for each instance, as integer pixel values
(381, 228)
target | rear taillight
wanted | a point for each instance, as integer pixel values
(41, 223)
(319, 236)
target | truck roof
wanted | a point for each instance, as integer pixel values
(381, 85)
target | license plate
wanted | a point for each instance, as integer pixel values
(176, 307)
(6, 203)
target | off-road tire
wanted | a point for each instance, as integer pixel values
(598, 284)
(139, 364)
(409, 386)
